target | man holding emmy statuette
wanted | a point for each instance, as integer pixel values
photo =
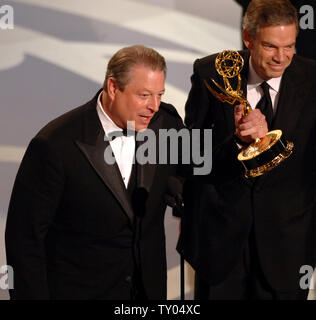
(249, 226)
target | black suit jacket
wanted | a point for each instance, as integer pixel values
(69, 232)
(221, 208)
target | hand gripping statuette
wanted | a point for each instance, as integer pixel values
(263, 154)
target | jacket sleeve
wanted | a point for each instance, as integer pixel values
(35, 197)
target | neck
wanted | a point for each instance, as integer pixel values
(106, 104)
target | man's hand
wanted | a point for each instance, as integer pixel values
(250, 127)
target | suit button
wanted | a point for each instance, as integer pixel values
(128, 279)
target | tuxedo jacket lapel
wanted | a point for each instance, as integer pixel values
(93, 147)
(293, 91)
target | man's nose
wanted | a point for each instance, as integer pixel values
(279, 56)
(154, 103)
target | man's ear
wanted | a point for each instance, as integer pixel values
(112, 87)
(247, 39)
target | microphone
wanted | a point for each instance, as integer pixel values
(174, 199)
(173, 196)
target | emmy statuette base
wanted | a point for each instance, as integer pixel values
(265, 154)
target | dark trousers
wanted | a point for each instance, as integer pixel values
(245, 282)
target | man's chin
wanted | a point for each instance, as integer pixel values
(272, 74)
(140, 127)
(276, 73)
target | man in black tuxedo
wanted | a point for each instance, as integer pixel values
(249, 238)
(80, 226)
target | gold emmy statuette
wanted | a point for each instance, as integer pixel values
(263, 154)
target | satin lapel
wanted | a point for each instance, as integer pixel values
(93, 147)
(146, 172)
(293, 91)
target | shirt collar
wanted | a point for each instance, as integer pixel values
(254, 80)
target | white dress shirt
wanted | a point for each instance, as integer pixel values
(123, 147)
(255, 92)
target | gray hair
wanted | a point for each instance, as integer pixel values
(269, 13)
(125, 59)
